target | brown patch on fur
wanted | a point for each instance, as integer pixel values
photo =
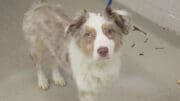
(113, 34)
(119, 20)
(118, 42)
(85, 42)
(108, 31)
(77, 22)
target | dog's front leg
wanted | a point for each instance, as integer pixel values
(57, 77)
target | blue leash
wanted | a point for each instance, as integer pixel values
(109, 3)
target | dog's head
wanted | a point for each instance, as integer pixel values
(99, 36)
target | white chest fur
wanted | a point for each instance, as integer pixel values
(92, 75)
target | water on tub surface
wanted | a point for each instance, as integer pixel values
(150, 65)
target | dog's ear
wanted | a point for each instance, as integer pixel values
(121, 18)
(76, 23)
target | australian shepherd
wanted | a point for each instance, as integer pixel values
(90, 44)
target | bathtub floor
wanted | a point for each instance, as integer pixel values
(150, 76)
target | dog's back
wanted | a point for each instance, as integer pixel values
(45, 23)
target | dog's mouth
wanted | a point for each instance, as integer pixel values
(101, 58)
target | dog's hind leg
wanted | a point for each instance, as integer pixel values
(36, 55)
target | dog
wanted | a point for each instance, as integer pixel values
(90, 44)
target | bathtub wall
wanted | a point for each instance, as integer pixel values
(165, 13)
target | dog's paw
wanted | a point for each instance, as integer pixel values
(43, 84)
(59, 81)
(57, 78)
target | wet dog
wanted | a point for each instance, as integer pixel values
(90, 44)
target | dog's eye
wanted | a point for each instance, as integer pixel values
(89, 34)
(110, 33)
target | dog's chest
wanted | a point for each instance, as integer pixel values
(95, 77)
(91, 76)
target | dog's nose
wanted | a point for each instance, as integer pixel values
(103, 51)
